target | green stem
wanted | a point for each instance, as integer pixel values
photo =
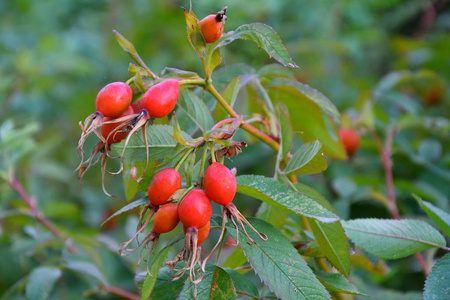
(247, 127)
(203, 163)
(213, 153)
(183, 158)
(221, 246)
(206, 71)
(190, 82)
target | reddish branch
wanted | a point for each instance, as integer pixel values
(119, 292)
(385, 154)
(32, 204)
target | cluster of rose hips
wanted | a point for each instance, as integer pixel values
(117, 118)
(169, 204)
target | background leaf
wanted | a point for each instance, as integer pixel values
(392, 239)
(336, 282)
(274, 193)
(315, 124)
(160, 141)
(165, 288)
(278, 264)
(265, 37)
(196, 109)
(126, 208)
(242, 284)
(41, 281)
(86, 268)
(128, 47)
(320, 99)
(230, 93)
(330, 237)
(440, 217)
(287, 133)
(155, 262)
(308, 159)
(437, 284)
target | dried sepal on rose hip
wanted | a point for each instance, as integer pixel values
(212, 25)
(112, 102)
(195, 212)
(220, 186)
(165, 220)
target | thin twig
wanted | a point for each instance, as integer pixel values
(119, 292)
(385, 154)
(31, 202)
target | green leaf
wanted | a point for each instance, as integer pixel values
(128, 47)
(235, 259)
(437, 285)
(279, 195)
(361, 261)
(126, 208)
(440, 217)
(278, 263)
(392, 239)
(307, 160)
(160, 143)
(156, 261)
(287, 133)
(229, 94)
(314, 124)
(41, 282)
(177, 73)
(216, 284)
(177, 133)
(272, 214)
(337, 283)
(194, 34)
(314, 95)
(86, 268)
(243, 285)
(330, 237)
(196, 109)
(130, 185)
(165, 288)
(214, 58)
(265, 37)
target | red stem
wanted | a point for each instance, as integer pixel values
(385, 154)
(223, 122)
(31, 202)
(120, 292)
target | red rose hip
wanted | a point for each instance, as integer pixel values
(166, 218)
(114, 99)
(350, 138)
(202, 233)
(195, 209)
(220, 184)
(160, 99)
(118, 135)
(211, 26)
(163, 185)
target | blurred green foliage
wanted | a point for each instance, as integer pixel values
(55, 55)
